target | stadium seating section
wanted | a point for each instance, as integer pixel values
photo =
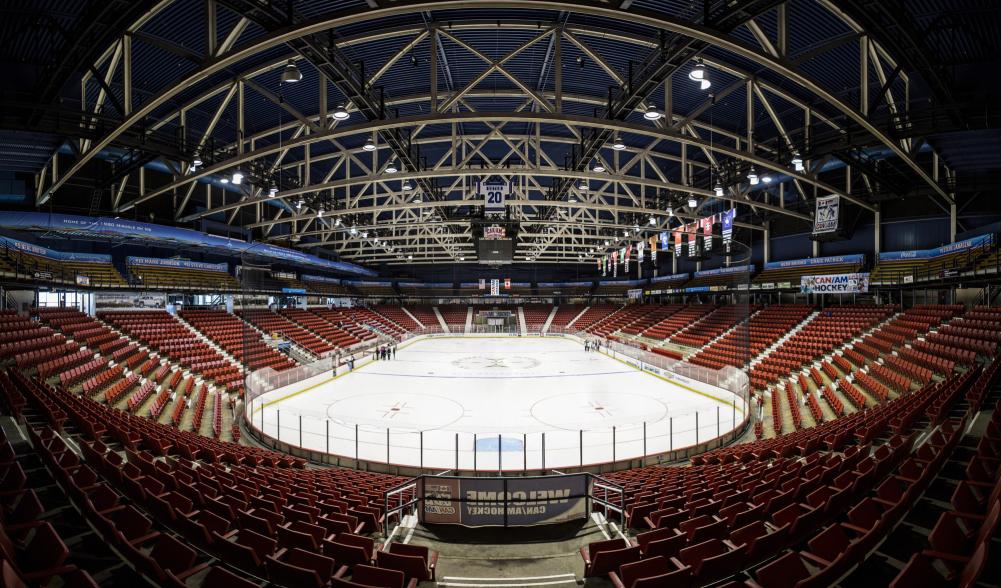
(182, 278)
(865, 423)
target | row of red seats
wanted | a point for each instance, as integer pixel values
(140, 395)
(119, 388)
(237, 338)
(712, 325)
(271, 323)
(681, 320)
(82, 372)
(101, 380)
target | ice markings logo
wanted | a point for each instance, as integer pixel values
(481, 362)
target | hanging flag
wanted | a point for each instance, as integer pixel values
(728, 224)
(691, 229)
(707, 232)
(653, 248)
(629, 252)
(639, 251)
(677, 243)
(483, 284)
(615, 263)
(507, 283)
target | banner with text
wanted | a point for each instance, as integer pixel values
(835, 284)
(507, 502)
(826, 214)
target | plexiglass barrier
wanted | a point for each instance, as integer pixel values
(720, 414)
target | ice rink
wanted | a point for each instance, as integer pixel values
(504, 396)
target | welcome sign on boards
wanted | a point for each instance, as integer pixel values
(507, 502)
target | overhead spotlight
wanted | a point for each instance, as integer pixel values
(625, 233)
(196, 161)
(766, 178)
(410, 258)
(652, 113)
(583, 187)
(273, 190)
(369, 145)
(353, 231)
(417, 198)
(670, 211)
(700, 74)
(407, 186)
(618, 144)
(572, 199)
(341, 113)
(653, 221)
(692, 202)
(299, 204)
(338, 222)
(752, 176)
(376, 240)
(238, 177)
(223, 180)
(364, 234)
(319, 212)
(797, 162)
(462, 258)
(598, 168)
(718, 190)
(291, 73)
(391, 168)
(606, 242)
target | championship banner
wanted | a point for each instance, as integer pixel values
(495, 287)
(835, 284)
(653, 248)
(483, 284)
(615, 263)
(639, 251)
(629, 252)
(691, 229)
(728, 224)
(707, 231)
(494, 195)
(825, 218)
(677, 243)
(503, 502)
(507, 283)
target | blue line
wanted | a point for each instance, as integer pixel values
(370, 373)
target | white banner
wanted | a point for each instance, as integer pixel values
(495, 287)
(825, 218)
(495, 195)
(834, 284)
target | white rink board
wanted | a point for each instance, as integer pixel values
(476, 388)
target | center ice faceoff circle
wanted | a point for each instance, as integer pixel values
(480, 362)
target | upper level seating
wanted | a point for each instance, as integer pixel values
(899, 271)
(536, 315)
(271, 324)
(712, 322)
(750, 338)
(373, 289)
(329, 288)
(236, 338)
(317, 325)
(425, 314)
(454, 314)
(183, 278)
(793, 274)
(101, 274)
(162, 332)
(397, 315)
(564, 314)
(831, 328)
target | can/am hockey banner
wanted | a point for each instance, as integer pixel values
(825, 218)
(835, 284)
(503, 502)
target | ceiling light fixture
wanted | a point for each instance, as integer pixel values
(407, 186)
(291, 73)
(797, 162)
(273, 190)
(718, 190)
(237, 177)
(196, 161)
(670, 211)
(652, 113)
(391, 168)
(583, 186)
(597, 168)
(369, 145)
(692, 202)
(341, 113)
(223, 180)
(752, 176)
(653, 221)
(618, 144)
(766, 178)
(700, 74)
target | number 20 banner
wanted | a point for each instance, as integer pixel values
(495, 195)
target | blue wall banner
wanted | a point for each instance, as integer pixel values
(293, 290)
(178, 263)
(814, 261)
(160, 235)
(507, 502)
(324, 279)
(938, 251)
(38, 250)
(670, 278)
(733, 269)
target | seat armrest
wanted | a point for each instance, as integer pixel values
(342, 571)
(147, 537)
(615, 580)
(412, 583)
(278, 554)
(194, 570)
(857, 529)
(945, 556)
(584, 555)
(819, 561)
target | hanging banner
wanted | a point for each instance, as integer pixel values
(483, 284)
(615, 263)
(639, 251)
(825, 218)
(707, 231)
(507, 283)
(728, 224)
(495, 287)
(629, 252)
(653, 249)
(835, 284)
(677, 243)
(691, 229)
(494, 195)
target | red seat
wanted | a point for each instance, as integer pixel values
(413, 567)
(651, 572)
(429, 556)
(712, 560)
(298, 567)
